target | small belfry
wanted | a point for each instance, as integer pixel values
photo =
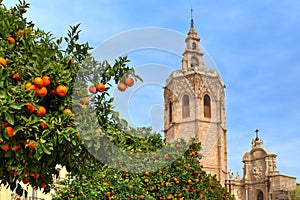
(195, 107)
(192, 56)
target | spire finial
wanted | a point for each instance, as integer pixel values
(257, 138)
(192, 20)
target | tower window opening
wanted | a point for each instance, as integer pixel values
(185, 106)
(170, 112)
(207, 106)
(194, 61)
(194, 45)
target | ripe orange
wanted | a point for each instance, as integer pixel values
(67, 111)
(11, 40)
(70, 59)
(20, 32)
(38, 81)
(31, 144)
(141, 196)
(16, 148)
(25, 180)
(5, 147)
(44, 185)
(100, 87)
(44, 125)
(146, 180)
(10, 131)
(122, 87)
(200, 196)
(147, 173)
(3, 62)
(29, 86)
(46, 80)
(61, 90)
(85, 100)
(42, 91)
(15, 76)
(108, 194)
(30, 107)
(130, 186)
(41, 111)
(35, 175)
(93, 89)
(129, 82)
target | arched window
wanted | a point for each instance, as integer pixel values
(185, 106)
(170, 112)
(207, 107)
(260, 195)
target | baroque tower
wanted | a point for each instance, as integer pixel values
(194, 101)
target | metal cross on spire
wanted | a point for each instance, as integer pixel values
(192, 20)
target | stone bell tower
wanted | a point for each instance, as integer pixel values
(194, 101)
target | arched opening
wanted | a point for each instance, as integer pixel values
(185, 106)
(194, 45)
(194, 61)
(260, 195)
(207, 106)
(170, 112)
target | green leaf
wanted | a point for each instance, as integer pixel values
(8, 154)
(18, 128)
(46, 149)
(9, 118)
(17, 106)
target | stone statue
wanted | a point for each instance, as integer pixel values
(230, 174)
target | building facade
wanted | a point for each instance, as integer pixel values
(261, 180)
(195, 107)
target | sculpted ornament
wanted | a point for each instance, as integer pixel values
(257, 172)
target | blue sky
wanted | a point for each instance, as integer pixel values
(255, 45)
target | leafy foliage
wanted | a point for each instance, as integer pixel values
(182, 179)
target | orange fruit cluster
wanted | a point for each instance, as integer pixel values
(129, 82)
(40, 87)
(100, 87)
(41, 111)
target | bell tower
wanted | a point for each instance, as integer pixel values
(194, 101)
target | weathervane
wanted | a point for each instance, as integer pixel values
(192, 21)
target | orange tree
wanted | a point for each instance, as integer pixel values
(56, 109)
(37, 80)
